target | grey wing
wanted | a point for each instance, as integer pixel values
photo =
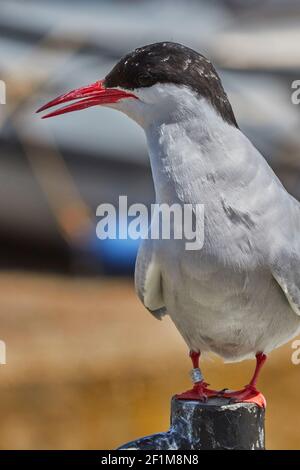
(286, 268)
(287, 275)
(148, 282)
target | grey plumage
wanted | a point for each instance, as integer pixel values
(240, 294)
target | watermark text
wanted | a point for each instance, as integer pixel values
(162, 222)
(295, 97)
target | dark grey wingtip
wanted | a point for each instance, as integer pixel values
(158, 313)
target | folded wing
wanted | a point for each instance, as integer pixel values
(148, 281)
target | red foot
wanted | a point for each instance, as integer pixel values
(198, 392)
(249, 394)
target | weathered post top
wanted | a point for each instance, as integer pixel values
(212, 425)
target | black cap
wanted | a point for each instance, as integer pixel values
(169, 62)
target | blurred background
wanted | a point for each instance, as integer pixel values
(87, 366)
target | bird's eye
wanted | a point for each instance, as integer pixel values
(143, 79)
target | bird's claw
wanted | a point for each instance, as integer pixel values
(199, 392)
(249, 394)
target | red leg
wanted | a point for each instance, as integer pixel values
(260, 360)
(200, 390)
(195, 357)
(250, 393)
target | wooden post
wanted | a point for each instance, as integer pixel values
(215, 424)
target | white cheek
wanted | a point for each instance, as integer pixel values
(160, 103)
(133, 108)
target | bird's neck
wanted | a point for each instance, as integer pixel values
(187, 154)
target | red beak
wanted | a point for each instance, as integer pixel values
(92, 95)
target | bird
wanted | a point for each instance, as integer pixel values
(239, 295)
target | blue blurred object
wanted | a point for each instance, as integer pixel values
(115, 256)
